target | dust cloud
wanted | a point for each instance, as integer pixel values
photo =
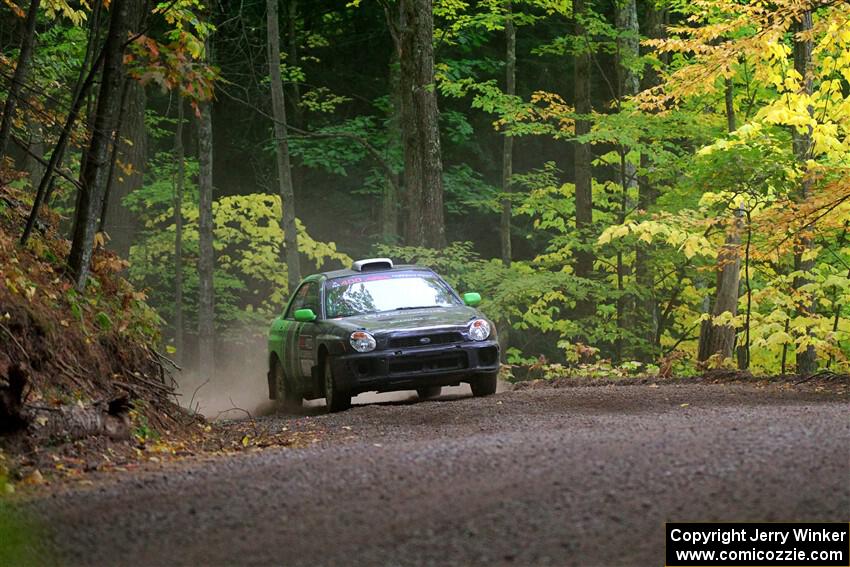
(240, 388)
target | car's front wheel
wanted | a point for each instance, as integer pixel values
(335, 398)
(287, 398)
(484, 385)
(428, 392)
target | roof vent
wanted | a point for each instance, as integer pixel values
(372, 264)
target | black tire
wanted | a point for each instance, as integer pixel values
(335, 399)
(484, 385)
(287, 399)
(428, 392)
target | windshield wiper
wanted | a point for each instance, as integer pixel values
(418, 307)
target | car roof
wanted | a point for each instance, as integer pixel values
(349, 272)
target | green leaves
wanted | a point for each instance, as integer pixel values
(251, 278)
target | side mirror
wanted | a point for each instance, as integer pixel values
(305, 315)
(472, 299)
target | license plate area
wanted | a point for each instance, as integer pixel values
(431, 363)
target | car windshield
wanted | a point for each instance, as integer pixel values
(373, 293)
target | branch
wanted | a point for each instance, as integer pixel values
(390, 173)
(828, 210)
(64, 175)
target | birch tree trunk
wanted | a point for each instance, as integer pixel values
(20, 76)
(284, 168)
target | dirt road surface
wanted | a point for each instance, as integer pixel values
(573, 476)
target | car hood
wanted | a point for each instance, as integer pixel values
(412, 319)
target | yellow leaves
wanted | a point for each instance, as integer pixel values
(248, 239)
(17, 10)
(694, 244)
(791, 109)
(727, 319)
(779, 338)
(55, 8)
(545, 107)
(777, 50)
(690, 244)
(615, 232)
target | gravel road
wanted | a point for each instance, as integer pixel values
(573, 476)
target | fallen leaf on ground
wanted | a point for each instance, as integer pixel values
(34, 477)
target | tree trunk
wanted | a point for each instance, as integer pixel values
(298, 116)
(206, 253)
(423, 166)
(646, 315)
(96, 166)
(180, 158)
(120, 223)
(628, 84)
(508, 141)
(113, 160)
(720, 339)
(729, 98)
(583, 156)
(284, 169)
(390, 197)
(85, 79)
(35, 162)
(293, 60)
(58, 423)
(807, 359)
(20, 76)
(626, 21)
(504, 325)
(628, 46)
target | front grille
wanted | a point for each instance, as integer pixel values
(425, 340)
(405, 364)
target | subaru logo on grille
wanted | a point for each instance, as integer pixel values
(424, 340)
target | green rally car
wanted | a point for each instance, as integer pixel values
(379, 328)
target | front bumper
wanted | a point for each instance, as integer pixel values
(411, 368)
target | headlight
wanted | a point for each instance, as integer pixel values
(362, 341)
(479, 330)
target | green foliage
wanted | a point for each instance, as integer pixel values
(250, 280)
(672, 188)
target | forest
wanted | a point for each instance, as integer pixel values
(633, 186)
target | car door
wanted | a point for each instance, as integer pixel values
(306, 344)
(289, 337)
